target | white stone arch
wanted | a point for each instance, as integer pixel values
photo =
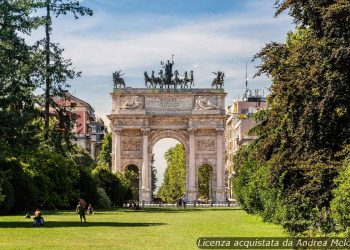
(156, 135)
(210, 162)
(169, 114)
(132, 162)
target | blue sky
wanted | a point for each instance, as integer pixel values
(135, 35)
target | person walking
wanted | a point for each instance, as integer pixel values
(81, 211)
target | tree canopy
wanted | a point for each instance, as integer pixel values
(174, 182)
(288, 174)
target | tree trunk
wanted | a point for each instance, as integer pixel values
(48, 71)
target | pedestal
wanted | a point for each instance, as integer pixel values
(145, 195)
(220, 195)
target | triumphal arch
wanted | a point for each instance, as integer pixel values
(195, 117)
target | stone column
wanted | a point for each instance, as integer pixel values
(220, 168)
(93, 150)
(192, 190)
(117, 150)
(145, 192)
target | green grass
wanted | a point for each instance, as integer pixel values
(128, 229)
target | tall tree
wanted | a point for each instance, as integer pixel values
(131, 176)
(17, 74)
(57, 70)
(174, 183)
(153, 175)
(288, 174)
(205, 182)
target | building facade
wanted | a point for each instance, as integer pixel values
(88, 131)
(239, 122)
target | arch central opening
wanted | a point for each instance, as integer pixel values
(170, 164)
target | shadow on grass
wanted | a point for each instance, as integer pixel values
(51, 224)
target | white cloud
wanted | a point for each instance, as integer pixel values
(100, 44)
(209, 43)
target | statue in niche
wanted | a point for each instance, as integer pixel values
(202, 103)
(135, 103)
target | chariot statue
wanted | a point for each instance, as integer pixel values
(169, 79)
(218, 81)
(118, 80)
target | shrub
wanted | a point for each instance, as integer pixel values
(20, 191)
(103, 199)
(341, 202)
(56, 175)
(294, 194)
(113, 184)
(2, 197)
(86, 186)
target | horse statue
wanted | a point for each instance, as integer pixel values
(191, 79)
(155, 80)
(218, 81)
(148, 80)
(185, 80)
(118, 80)
(161, 79)
(177, 79)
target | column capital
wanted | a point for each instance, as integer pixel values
(118, 131)
(219, 130)
(192, 130)
(145, 131)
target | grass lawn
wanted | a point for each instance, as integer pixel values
(128, 229)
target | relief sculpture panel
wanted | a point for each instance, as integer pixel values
(131, 102)
(206, 103)
(205, 144)
(131, 144)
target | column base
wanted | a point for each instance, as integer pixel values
(220, 195)
(145, 195)
(191, 195)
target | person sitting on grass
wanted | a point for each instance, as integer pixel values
(90, 209)
(81, 211)
(38, 219)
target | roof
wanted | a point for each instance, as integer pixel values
(76, 99)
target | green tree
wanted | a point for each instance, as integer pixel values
(204, 182)
(56, 175)
(2, 196)
(154, 175)
(287, 175)
(86, 186)
(174, 183)
(131, 176)
(17, 75)
(56, 70)
(106, 150)
(341, 202)
(103, 199)
(114, 184)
